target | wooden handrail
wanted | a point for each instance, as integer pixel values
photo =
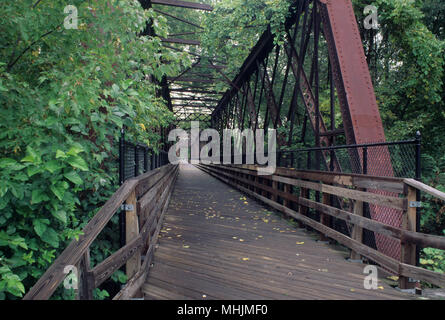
(425, 188)
(157, 183)
(240, 177)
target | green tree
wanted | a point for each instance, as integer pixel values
(64, 95)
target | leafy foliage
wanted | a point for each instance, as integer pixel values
(64, 95)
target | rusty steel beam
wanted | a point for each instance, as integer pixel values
(358, 104)
(353, 77)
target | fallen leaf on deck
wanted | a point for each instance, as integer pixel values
(300, 242)
(246, 259)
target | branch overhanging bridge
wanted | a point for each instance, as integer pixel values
(307, 231)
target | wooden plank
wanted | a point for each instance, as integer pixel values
(51, 279)
(370, 253)
(131, 233)
(286, 189)
(149, 179)
(184, 4)
(408, 250)
(421, 239)
(391, 202)
(324, 218)
(138, 280)
(388, 201)
(346, 179)
(106, 268)
(427, 189)
(86, 278)
(395, 266)
(148, 197)
(357, 231)
(274, 194)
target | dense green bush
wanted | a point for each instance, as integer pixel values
(64, 95)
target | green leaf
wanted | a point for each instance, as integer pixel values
(60, 154)
(78, 162)
(58, 190)
(31, 156)
(75, 150)
(51, 237)
(60, 215)
(39, 227)
(6, 162)
(32, 170)
(73, 177)
(52, 166)
(38, 196)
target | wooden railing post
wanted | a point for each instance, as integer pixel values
(324, 218)
(275, 187)
(85, 278)
(304, 193)
(132, 231)
(287, 189)
(357, 232)
(408, 250)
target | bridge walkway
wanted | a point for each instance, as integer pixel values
(216, 243)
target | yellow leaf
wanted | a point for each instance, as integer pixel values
(186, 246)
(246, 259)
(300, 242)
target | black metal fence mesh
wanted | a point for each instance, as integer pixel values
(397, 159)
(137, 159)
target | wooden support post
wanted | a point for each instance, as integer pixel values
(132, 231)
(304, 193)
(324, 218)
(408, 252)
(357, 232)
(275, 187)
(286, 189)
(85, 278)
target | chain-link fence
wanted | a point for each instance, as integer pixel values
(136, 159)
(395, 159)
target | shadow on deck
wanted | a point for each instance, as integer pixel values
(216, 243)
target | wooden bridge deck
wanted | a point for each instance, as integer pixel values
(218, 244)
